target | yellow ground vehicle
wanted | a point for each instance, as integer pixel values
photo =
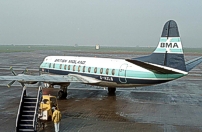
(47, 106)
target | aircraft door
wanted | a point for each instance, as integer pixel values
(122, 73)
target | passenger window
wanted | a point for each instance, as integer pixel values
(54, 65)
(84, 69)
(79, 68)
(74, 68)
(89, 69)
(101, 70)
(50, 65)
(95, 70)
(68, 67)
(107, 71)
(113, 71)
(60, 66)
(65, 67)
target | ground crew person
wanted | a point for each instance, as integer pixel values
(56, 118)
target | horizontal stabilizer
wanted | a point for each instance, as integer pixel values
(192, 63)
(156, 68)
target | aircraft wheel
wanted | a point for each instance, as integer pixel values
(62, 94)
(111, 91)
(65, 95)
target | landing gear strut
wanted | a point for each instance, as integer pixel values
(62, 94)
(111, 91)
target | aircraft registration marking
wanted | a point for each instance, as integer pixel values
(106, 78)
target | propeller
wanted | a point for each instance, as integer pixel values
(15, 74)
(11, 83)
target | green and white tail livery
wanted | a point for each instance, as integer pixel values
(169, 45)
(170, 39)
(169, 52)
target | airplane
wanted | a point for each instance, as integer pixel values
(165, 64)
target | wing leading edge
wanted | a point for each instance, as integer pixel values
(50, 78)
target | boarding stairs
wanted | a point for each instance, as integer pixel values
(27, 116)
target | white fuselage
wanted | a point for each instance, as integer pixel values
(111, 72)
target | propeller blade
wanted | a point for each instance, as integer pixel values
(11, 68)
(11, 83)
(25, 71)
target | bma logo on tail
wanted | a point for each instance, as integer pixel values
(169, 45)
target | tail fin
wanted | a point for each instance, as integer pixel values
(170, 39)
(169, 51)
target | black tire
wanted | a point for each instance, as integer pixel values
(111, 91)
(65, 95)
(62, 94)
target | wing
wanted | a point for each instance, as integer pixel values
(50, 78)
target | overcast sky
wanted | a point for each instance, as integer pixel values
(104, 22)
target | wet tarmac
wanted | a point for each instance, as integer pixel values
(171, 107)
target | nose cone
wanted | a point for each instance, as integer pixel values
(170, 29)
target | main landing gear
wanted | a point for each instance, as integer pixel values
(111, 91)
(62, 94)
